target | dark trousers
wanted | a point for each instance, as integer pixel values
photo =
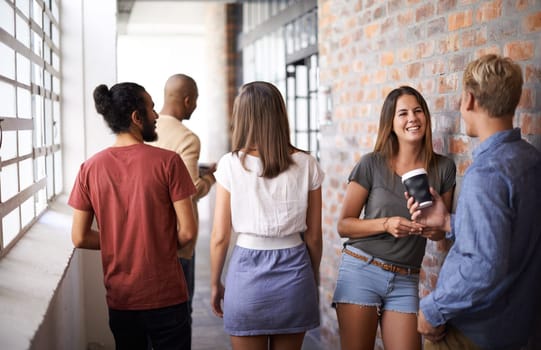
(188, 267)
(167, 328)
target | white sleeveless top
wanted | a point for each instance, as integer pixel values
(269, 207)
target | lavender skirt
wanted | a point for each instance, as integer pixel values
(270, 292)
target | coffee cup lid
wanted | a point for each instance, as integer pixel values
(413, 173)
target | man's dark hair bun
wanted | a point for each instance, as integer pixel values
(102, 99)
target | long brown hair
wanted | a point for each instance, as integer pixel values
(387, 141)
(260, 122)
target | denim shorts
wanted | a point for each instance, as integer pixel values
(362, 283)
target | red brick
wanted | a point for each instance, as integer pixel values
(526, 100)
(533, 22)
(487, 50)
(530, 123)
(520, 50)
(532, 74)
(522, 4)
(380, 76)
(371, 30)
(424, 12)
(460, 20)
(414, 70)
(387, 58)
(449, 44)
(447, 84)
(425, 49)
(489, 11)
(405, 54)
(439, 104)
(405, 18)
(459, 145)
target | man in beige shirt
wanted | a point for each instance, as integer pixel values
(180, 100)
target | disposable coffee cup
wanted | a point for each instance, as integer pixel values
(416, 183)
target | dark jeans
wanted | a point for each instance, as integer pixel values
(167, 328)
(188, 267)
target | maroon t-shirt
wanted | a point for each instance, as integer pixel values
(131, 191)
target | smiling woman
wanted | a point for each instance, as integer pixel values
(384, 244)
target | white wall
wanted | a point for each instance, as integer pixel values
(88, 45)
(165, 38)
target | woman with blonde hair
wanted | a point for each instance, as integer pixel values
(269, 192)
(379, 272)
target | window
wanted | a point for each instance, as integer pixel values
(279, 45)
(30, 153)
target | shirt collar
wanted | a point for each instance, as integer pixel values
(496, 139)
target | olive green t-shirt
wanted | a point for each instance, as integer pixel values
(386, 199)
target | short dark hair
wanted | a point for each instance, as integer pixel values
(118, 103)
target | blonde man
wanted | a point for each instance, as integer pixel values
(487, 294)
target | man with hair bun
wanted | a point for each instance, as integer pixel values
(487, 294)
(140, 196)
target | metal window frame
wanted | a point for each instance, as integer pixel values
(14, 123)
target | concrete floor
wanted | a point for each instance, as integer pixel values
(208, 332)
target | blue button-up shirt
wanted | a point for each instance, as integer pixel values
(489, 286)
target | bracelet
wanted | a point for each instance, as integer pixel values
(385, 223)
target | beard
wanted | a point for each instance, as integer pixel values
(149, 130)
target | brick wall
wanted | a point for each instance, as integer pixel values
(368, 47)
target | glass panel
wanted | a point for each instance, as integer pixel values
(47, 26)
(56, 117)
(26, 177)
(22, 31)
(304, 30)
(313, 74)
(7, 61)
(280, 54)
(27, 211)
(47, 81)
(23, 69)
(55, 9)
(55, 36)
(6, 18)
(37, 12)
(9, 145)
(9, 182)
(38, 121)
(302, 82)
(39, 168)
(47, 53)
(10, 226)
(25, 142)
(297, 29)
(302, 141)
(56, 85)
(41, 201)
(24, 6)
(7, 107)
(50, 178)
(24, 103)
(312, 26)
(56, 61)
(37, 45)
(48, 122)
(289, 35)
(313, 111)
(314, 147)
(302, 114)
(58, 179)
(37, 73)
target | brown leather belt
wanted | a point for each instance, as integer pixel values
(385, 266)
